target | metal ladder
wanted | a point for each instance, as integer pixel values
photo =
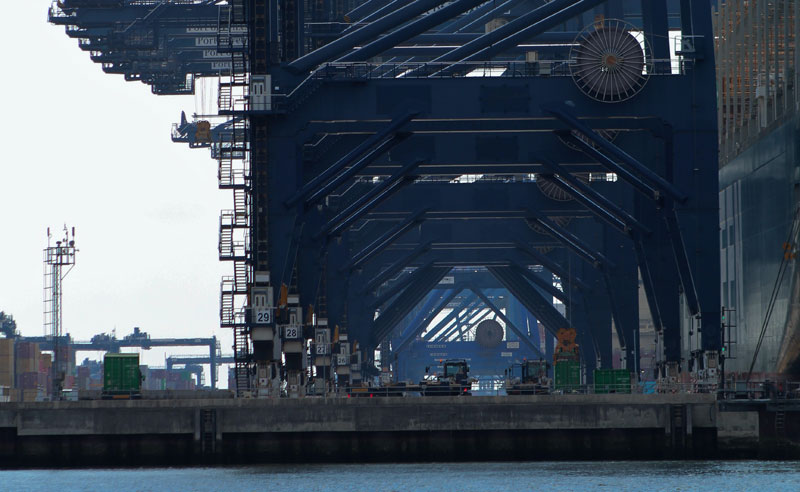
(780, 420)
(208, 431)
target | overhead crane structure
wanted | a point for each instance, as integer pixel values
(104, 342)
(372, 147)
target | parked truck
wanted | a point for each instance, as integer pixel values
(528, 378)
(453, 381)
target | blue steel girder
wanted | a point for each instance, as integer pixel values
(485, 152)
(465, 311)
(543, 310)
(410, 30)
(632, 165)
(684, 103)
(487, 199)
(395, 269)
(413, 294)
(459, 311)
(383, 241)
(568, 279)
(367, 201)
(337, 170)
(365, 33)
(476, 276)
(545, 286)
(584, 193)
(580, 247)
(418, 314)
(387, 294)
(518, 30)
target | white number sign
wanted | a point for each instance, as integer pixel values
(292, 332)
(263, 316)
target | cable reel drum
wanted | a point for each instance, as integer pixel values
(609, 63)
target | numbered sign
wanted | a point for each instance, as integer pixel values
(262, 316)
(292, 332)
(321, 348)
(342, 360)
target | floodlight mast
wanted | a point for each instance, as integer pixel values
(56, 258)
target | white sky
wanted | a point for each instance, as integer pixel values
(88, 149)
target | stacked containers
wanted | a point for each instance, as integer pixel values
(84, 377)
(7, 362)
(27, 360)
(45, 366)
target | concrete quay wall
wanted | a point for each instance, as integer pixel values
(162, 432)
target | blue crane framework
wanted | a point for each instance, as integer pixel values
(377, 150)
(104, 342)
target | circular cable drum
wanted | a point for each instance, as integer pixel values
(489, 333)
(608, 62)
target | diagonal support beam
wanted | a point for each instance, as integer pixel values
(365, 161)
(398, 287)
(561, 296)
(420, 327)
(609, 163)
(365, 9)
(649, 283)
(395, 267)
(554, 267)
(596, 259)
(382, 325)
(368, 201)
(463, 316)
(374, 15)
(582, 192)
(359, 36)
(465, 309)
(543, 309)
(479, 22)
(520, 36)
(383, 241)
(681, 260)
(498, 34)
(562, 114)
(351, 156)
(410, 30)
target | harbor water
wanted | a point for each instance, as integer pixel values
(773, 476)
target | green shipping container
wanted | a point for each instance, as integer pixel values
(121, 373)
(567, 375)
(612, 381)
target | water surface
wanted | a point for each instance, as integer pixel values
(766, 476)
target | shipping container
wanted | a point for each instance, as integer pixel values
(7, 362)
(6, 347)
(567, 375)
(45, 363)
(121, 374)
(612, 381)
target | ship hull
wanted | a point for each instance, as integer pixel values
(759, 197)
